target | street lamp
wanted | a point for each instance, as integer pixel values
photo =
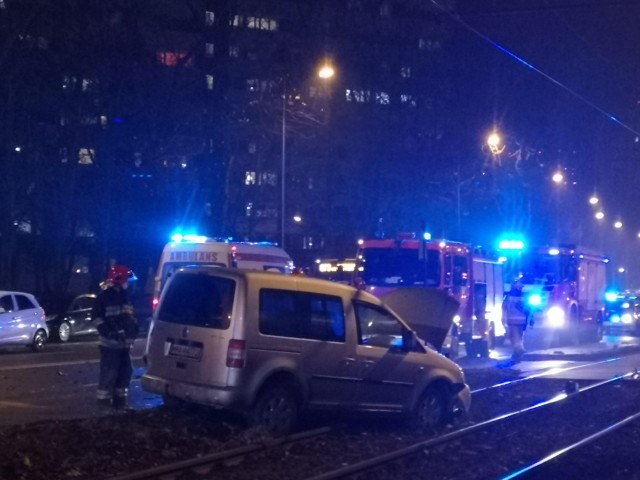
(325, 73)
(557, 178)
(494, 143)
(594, 200)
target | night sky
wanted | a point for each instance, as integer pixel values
(588, 51)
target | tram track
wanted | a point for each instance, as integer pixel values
(305, 443)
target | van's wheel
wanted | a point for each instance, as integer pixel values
(39, 339)
(276, 409)
(432, 408)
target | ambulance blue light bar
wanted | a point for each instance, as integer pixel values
(188, 238)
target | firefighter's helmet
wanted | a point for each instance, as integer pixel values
(120, 274)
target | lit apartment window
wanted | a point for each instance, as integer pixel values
(69, 82)
(358, 96)
(210, 81)
(405, 72)
(173, 59)
(249, 178)
(234, 51)
(236, 21)
(248, 209)
(382, 98)
(407, 99)
(209, 49)
(86, 156)
(88, 84)
(103, 120)
(268, 178)
(209, 18)
(260, 23)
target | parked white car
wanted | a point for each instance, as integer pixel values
(22, 321)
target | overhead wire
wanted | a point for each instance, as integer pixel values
(456, 17)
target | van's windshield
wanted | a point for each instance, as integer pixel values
(198, 300)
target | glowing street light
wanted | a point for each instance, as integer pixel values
(326, 72)
(594, 200)
(617, 224)
(599, 215)
(621, 270)
(557, 178)
(493, 142)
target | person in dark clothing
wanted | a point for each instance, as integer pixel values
(117, 327)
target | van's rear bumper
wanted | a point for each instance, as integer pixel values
(205, 395)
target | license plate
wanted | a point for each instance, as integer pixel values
(185, 351)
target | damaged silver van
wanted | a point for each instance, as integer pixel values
(271, 345)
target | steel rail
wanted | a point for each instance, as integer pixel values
(551, 371)
(448, 437)
(184, 465)
(580, 443)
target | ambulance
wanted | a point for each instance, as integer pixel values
(200, 250)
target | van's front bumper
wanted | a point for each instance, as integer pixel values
(205, 395)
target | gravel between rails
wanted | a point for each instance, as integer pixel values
(98, 448)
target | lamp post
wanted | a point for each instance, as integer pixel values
(326, 72)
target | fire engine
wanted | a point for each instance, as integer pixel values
(563, 289)
(471, 277)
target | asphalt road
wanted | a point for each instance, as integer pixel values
(61, 381)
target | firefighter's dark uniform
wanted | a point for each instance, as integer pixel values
(117, 326)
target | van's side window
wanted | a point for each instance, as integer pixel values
(198, 300)
(278, 313)
(326, 320)
(377, 327)
(301, 315)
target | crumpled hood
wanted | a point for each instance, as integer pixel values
(428, 311)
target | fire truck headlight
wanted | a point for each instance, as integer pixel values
(626, 318)
(615, 318)
(535, 300)
(555, 315)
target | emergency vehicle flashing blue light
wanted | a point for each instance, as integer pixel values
(535, 300)
(615, 318)
(426, 236)
(188, 238)
(611, 296)
(511, 245)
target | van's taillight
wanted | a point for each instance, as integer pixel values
(236, 353)
(154, 303)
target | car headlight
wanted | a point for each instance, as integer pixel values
(555, 316)
(626, 318)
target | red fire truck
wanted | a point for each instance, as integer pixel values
(564, 291)
(473, 279)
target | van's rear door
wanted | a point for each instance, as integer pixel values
(190, 334)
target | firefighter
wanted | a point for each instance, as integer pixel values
(117, 327)
(513, 309)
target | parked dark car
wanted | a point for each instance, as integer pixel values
(76, 321)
